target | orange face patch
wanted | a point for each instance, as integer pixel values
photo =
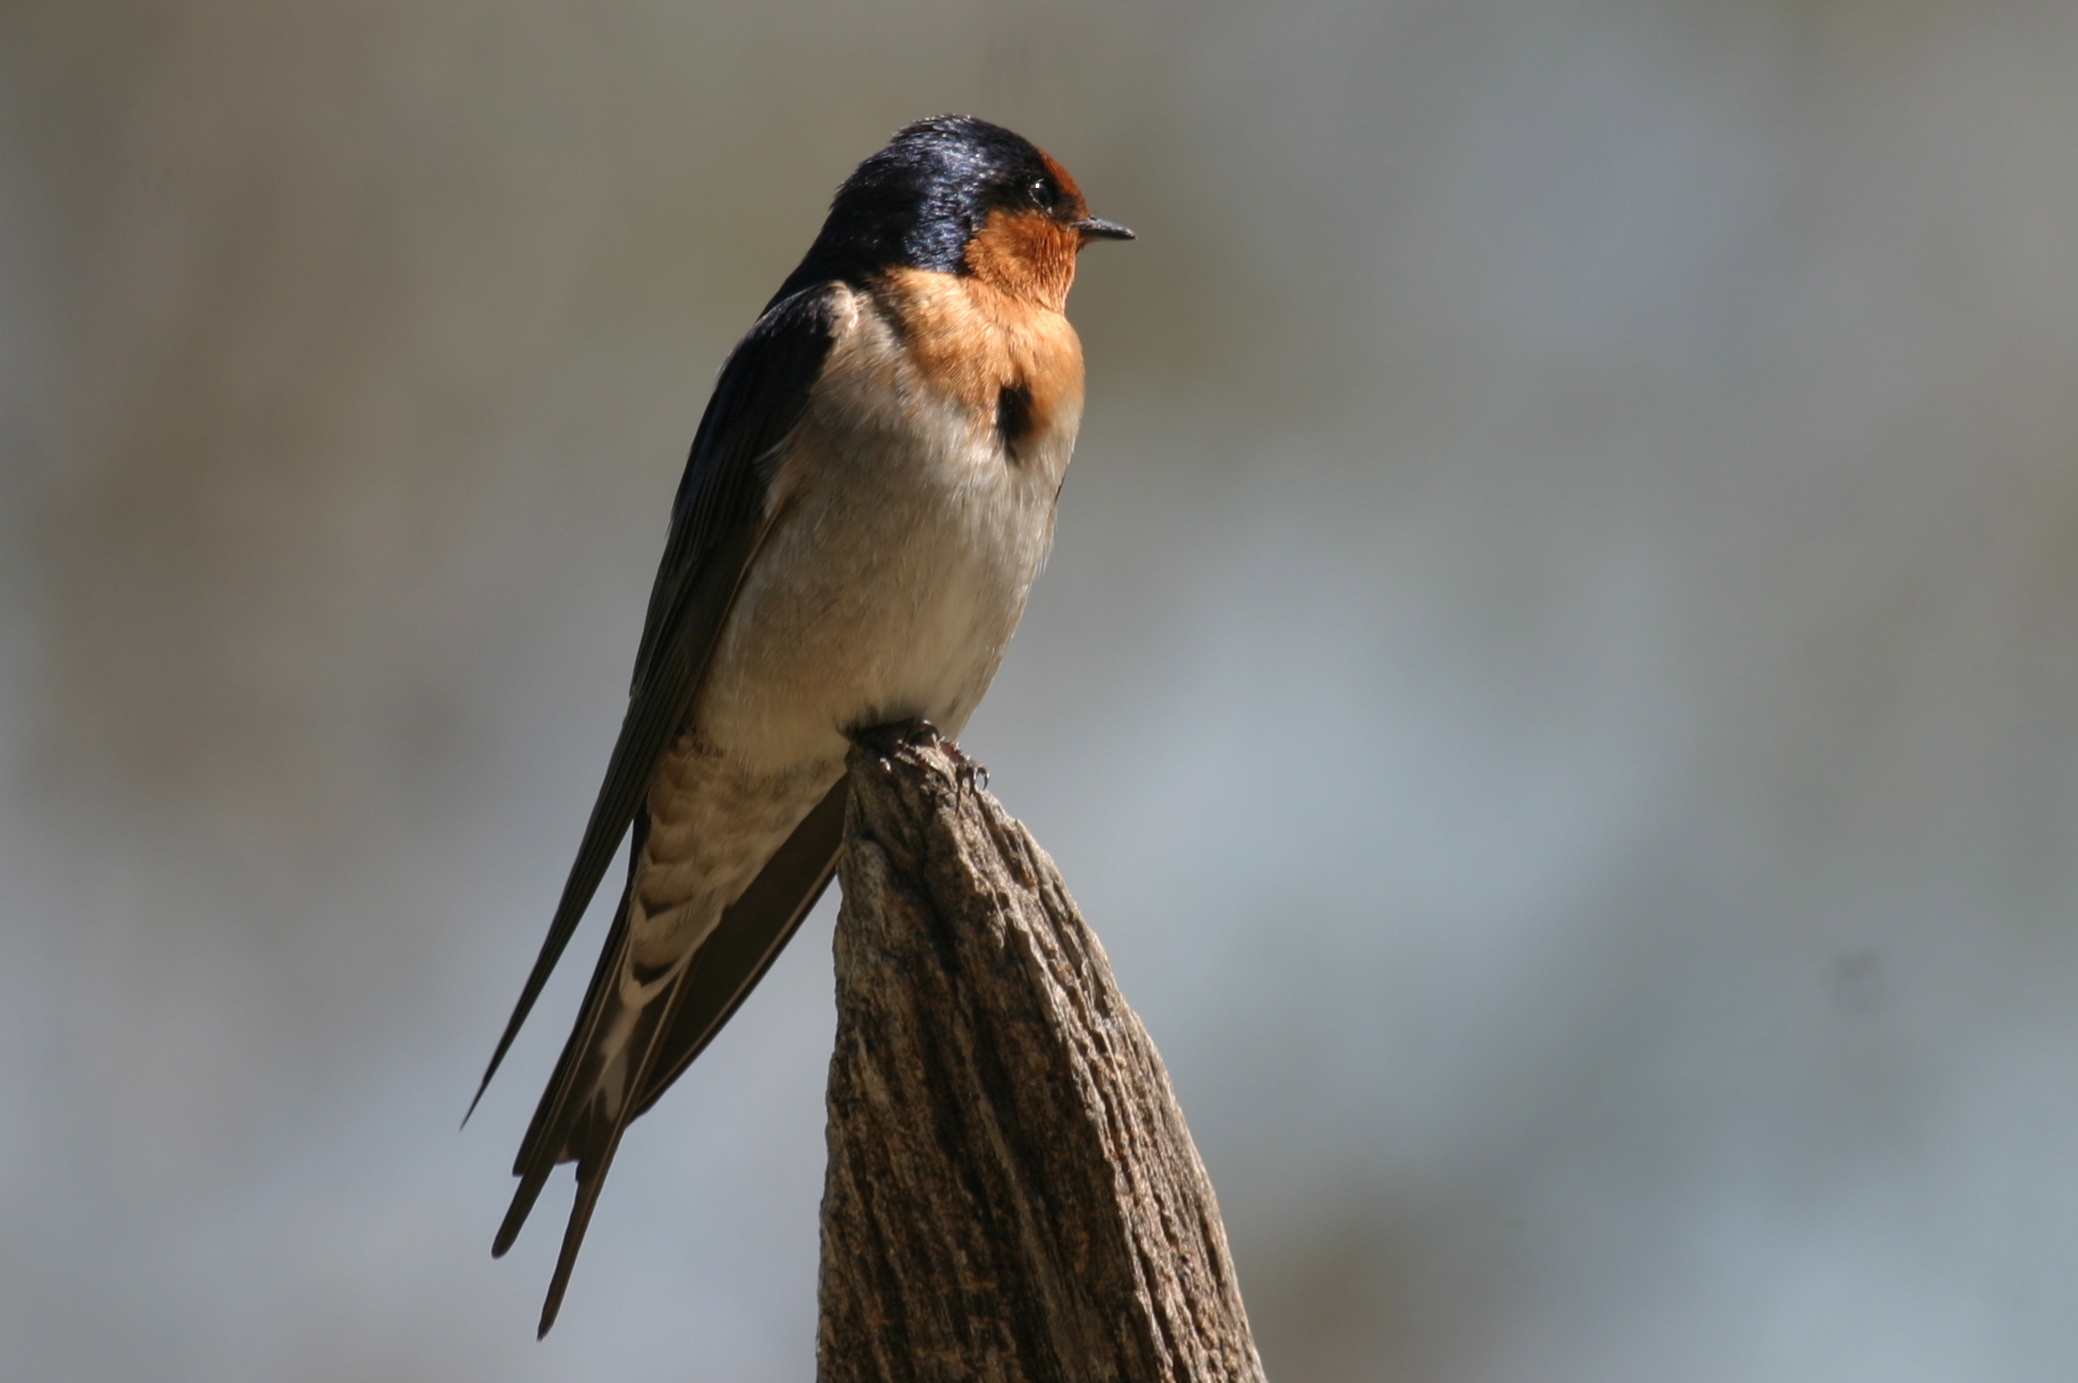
(1027, 254)
(974, 338)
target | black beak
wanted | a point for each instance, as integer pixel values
(1094, 229)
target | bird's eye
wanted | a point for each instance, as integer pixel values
(1042, 193)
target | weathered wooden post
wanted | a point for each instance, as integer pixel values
(1012, 1192)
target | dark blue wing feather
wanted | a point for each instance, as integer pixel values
(716, 522)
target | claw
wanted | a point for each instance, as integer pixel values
(966, 772)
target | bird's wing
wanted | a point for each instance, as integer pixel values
(717, 523)
(619, 1059)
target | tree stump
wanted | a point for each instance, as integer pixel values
(1012, 1194)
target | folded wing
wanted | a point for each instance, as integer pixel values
(718, 523)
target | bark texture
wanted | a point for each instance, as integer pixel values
(1012, 1193)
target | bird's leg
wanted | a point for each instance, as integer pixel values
(920, 733)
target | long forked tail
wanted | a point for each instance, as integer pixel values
(590, 1098)
(618, 1060)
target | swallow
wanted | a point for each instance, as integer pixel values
(869, 498)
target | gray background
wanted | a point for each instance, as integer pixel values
(1557, 684)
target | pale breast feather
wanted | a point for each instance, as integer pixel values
(906, 535)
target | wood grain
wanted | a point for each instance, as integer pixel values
(1012, 1192)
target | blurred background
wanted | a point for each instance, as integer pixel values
(1558, 682)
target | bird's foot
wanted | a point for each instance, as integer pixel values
(885, 739)
(920, 733)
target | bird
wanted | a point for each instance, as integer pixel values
(869, 497)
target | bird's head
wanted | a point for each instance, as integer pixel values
(960, 196)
